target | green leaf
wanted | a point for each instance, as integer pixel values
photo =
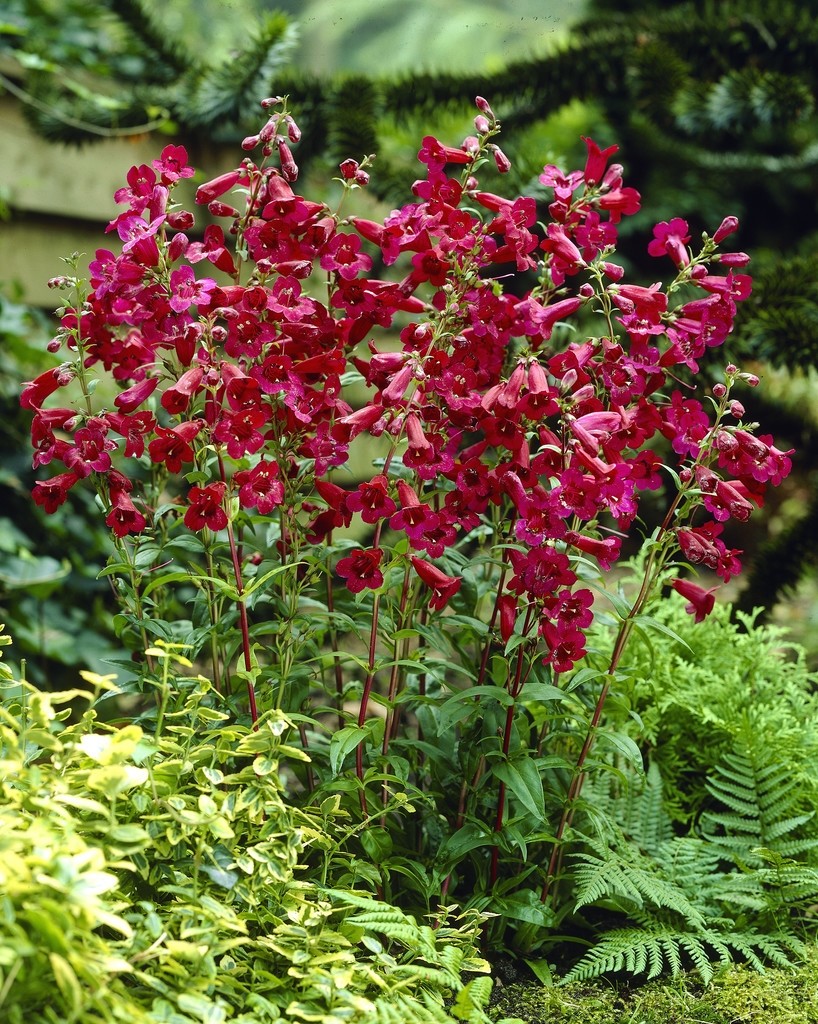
(523, 780)
(650, 623)
(471, 836)
(344, 742)
(624, 745)
(542, 971)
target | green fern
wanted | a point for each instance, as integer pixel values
(658, 948)
(759, 801)
(624, 879)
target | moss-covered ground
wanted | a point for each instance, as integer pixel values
(736, 995)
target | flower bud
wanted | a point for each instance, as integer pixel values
(733, 259)
(181, 220)
(270, 130)
(727, 227)
(219, 209)
(270, 101)
(289, 168)
(216, 187)
(481, 124)
(736, 409)
(293, 131)
(484, 108)
(719, 390)
(613, 271)
(250, 142)
(177, 247)
(502, 161)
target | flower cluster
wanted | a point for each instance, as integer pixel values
(492, 412)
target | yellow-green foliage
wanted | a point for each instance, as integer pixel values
(162, 879)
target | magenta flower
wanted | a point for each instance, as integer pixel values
(596, 161)
(50, 494)
(670, 238)
(172, 445)
(172, 164)
(343, 254)
(186, 291)
(372, 500)
(700, 601)
(361, 569)
(443, 587)
(124, 517)
(260, 487)
(206, 507)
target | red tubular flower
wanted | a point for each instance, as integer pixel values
(670, 238)
(50, 494)
(124, 517)
(596, 161)
(206, 507)
(361, 569)
(177, 397)
(700, 601)
(260, 487)
(216, 187)
(372, 500)
(172, 445)
(442, 586)
(36, 391)
(129, 400)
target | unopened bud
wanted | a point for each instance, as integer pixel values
(750, 379)
(361, 178)
(685, 475)
(736, 409)
(270, 101)
(471, 144)
(59, 282)
(289, 168)
(54, 345)
(177, 247)
(219, 209)
(181, 220)
(250, 142)
(733, 259)
(613, 271)
(586, 290)
(502, 161)
(719, 390)
(481, 124)
(727, 227)
(484, 108)
(293, 131)
(269, 131)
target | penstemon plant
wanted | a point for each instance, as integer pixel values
(373, 489)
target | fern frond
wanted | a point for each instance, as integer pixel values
(663, 948)
(763, 798)
(606, 875)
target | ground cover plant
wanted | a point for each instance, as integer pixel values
(365, 486)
